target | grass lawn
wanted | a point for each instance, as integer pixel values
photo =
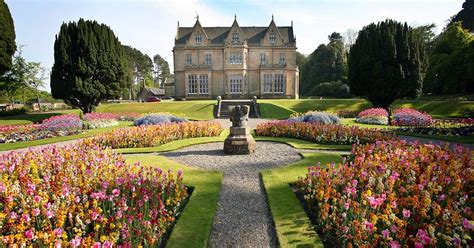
(88, 133)
(303, 144)
(351, 122)
(293, 227)
(31, 118)
(438, 109)
(196, 110)
(194, 226)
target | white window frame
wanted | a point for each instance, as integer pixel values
(235, 38)
(203, 84)
(236, 83)
(272, 38)
(235, 58)
(282, 59)
(267, 83)
(279, 85)
(192, 84)
(263, 58)
(198, 38)
(189, 59)
(208, 60)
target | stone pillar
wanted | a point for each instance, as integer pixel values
(239, 141)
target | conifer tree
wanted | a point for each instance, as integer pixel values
(7, 38)
(386, 63)
(88, 64)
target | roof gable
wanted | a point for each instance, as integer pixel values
(235, 35)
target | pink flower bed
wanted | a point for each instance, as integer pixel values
(99, 116)
(373, 116)
(410, 117)
(69, 122)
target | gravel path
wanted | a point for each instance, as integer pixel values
(243, 218)
(62, 143)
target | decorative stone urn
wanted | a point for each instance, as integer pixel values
(239, 140)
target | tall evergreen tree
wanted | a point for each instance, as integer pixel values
(162, 69)
(139, 68)
(385, 63)
(466, 15)
(7, 38)
(88, 64)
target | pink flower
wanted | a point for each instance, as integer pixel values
(406, 213)
(369, 227)
(36, 212)
(456, 241)
(418, 245)
(395, 244)
(49, 214)
(97, 245)
(467, 224)
(107, 244)
(95, 215)
(37, 198)
(386, 234)
(58, 232)
(57, 244)
(30, 234)
(2, 187)
(76, 241)
(26, 217)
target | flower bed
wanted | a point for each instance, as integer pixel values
(316, 117)
(100, 120)
(146, 136)
(321, 133)
(377, 116)
(410, 117)
(451, 127)
(68, 123)
(84, 196)
(392, 194)
(157, 119)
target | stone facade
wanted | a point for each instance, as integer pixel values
(235, 62)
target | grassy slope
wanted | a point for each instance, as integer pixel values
(292, 225)
(196, 110)
(88, 133)
(351, 122)
(194, 226)
(31, 118)
(438, 109)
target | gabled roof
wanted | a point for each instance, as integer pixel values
(217, 35)
(154, 91)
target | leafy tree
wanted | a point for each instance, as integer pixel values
(301, 60)
(139, 68)
(466, 15)
(35, 79)
(162, 69)
(349, 38)
(385, 63)
(327, 63)
(88, 64)
(7, 38)
(15, 79)
(451, 62)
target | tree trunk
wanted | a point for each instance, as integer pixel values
(39, 104)
(389, 111)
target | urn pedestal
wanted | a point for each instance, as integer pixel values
(239, 141)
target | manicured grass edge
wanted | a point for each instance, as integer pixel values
(293, 227)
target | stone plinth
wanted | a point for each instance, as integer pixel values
(239, 141)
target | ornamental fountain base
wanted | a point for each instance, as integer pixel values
(239, 141)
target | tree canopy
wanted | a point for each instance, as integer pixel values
(139, 68)
(327, 63)
(88, 64)
(162, 69)
(466, 15)
(385, 63)
(7, 38)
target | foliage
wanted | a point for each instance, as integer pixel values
(410, 117)
(451, 67)
(321, 133)
(157, 119)
(162, 70)
(69, 122)
(147, 136)
(327, 63)
(382, 198)
(139, 68)
(7, 38)
(83, 195)
(386, 63)
(467, 112)
(17, 111)
(301, 60)
(88, 64)
(373, 116)
(347, 113)
(466, 15)
(331, 89)
(320, 117)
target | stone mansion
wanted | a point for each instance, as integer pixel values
(235, 62)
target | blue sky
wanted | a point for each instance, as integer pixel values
(150, 25)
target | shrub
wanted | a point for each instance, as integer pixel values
(17, 111)
(347, 113)
(316, 117)
(321, 133)
(467, 112)
(146, 136)
(68, 122)
(392, 194)
(378, 116)
(85, 196)
(157, 119)
(331, 89)
(410, 117)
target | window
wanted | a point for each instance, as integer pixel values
(192, 84)
(235, 83)
(279, 82)
(235, 58)
(198, 38)
(263, 59)
(189, 59)
(235, 38)
(203, 84)
(208, 59)
(272, 39)
(267, 83)
(282, 59)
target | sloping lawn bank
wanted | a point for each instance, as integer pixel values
(194, 226)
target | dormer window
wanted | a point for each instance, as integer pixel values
(272, 38)
(235, 38)
(198, 38)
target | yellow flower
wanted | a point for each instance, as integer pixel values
(369, 192)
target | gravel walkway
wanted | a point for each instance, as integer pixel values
(243, 218)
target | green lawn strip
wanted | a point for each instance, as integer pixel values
(88, 133)
(194, 225)
(351, 122)
(293, 227)
(303, 144)
(457, 139)
(31, 118)
(438, 109)
(196, 110)
(273, 111)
